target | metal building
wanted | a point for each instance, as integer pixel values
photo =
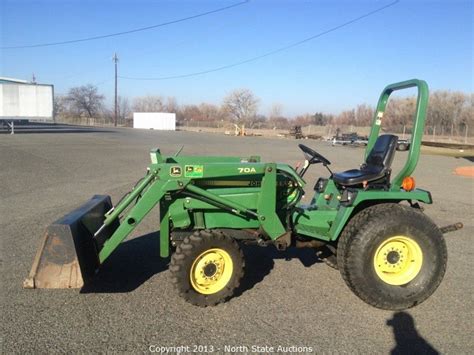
(21, 100)
(155, 120)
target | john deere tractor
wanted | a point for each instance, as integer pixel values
(364, 221)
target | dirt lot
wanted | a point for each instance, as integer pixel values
(288, 299)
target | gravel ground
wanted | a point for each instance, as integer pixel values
(290, 299)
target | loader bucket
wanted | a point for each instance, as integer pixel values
(68, 253)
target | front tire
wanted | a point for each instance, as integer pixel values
(207, 267)
(392, 256)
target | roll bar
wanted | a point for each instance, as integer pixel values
(418, 125)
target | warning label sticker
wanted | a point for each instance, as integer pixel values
(193, 171)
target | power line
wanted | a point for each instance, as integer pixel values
(281, 49)
(93, 38)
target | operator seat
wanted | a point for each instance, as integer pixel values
(376, 168)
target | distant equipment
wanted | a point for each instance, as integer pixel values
(162, 121)
(21, 100)
(296, 132)
(239, 130)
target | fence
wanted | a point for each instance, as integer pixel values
(93, 121)
(453, 134)
(432, 133)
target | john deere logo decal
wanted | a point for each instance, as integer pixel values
(175, 171)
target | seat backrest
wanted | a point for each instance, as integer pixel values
(383, 151)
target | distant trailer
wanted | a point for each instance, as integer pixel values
(22, 101)
(155, 120)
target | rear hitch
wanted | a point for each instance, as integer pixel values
(451, 228)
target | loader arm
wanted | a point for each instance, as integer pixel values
(153, 194)
(158, 183)
(80, 242)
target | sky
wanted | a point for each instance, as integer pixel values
(430, 40)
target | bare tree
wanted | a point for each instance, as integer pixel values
(363, 115)
(124, 111)
(465, 120)
(172, 104)
(150, 103)
(85, 100)
(303, 120)
(188, 113)
(399, 113)
(275, 117)
(321, 119)
(346, 117)
(445, 109)
(278, 123)
(61, 106)
(210, 112)
(448, 113)
(275, 110)
(241, 105)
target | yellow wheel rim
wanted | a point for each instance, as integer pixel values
(211, 271)
(398, 260)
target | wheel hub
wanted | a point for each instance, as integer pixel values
(393, 257)
(211, 271)
(398, 260)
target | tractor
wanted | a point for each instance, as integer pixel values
(365, 222)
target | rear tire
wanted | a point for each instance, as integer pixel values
(207, 267)
(392, 256)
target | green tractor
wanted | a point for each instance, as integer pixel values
(363, 221)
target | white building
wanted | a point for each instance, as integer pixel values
(24, 100)
(163, 121)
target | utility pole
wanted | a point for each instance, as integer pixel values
(115, 59)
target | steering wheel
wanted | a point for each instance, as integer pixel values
(312, 156)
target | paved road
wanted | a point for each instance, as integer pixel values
(288, 299)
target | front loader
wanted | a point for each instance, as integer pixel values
(363, 221)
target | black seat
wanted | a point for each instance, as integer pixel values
(376, 167)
